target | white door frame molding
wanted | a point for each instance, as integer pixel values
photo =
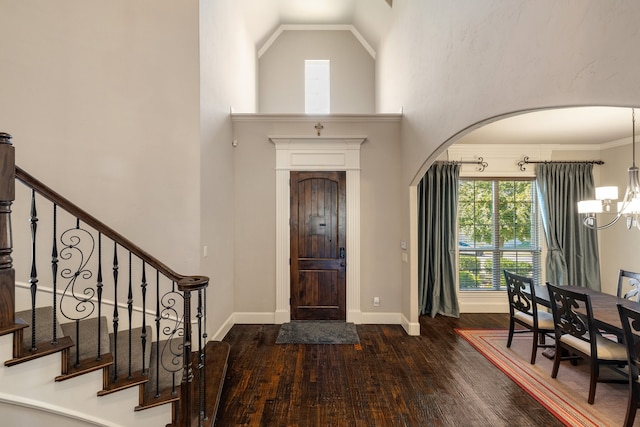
(311, 153)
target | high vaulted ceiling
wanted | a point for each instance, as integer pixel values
(580, 125)
(370, 17)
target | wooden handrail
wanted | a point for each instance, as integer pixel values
(185, 283)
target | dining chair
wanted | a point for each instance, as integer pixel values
(523, 310)
(628, 284)
(577, 335)
(630, 319)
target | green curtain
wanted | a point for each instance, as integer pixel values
(572, 257)
(437, 212)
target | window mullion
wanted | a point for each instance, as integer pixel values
(495, 273)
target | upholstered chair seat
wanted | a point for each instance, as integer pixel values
(607, 349)
(545, 319)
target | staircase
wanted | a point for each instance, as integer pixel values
(109, 335)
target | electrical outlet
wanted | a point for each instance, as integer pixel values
(376, 301)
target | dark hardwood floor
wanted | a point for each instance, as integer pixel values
(389, 379)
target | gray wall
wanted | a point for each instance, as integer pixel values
(103, 104)
(452, 64)
(255, 210)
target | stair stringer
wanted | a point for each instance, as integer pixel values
(32, 386)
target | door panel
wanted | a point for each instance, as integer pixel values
(318, 264)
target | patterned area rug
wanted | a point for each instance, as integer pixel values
(565, 396)
(311, 332)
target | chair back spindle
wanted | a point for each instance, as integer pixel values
(576, 334)
(628, 285)
(523, 310)
(630, 319)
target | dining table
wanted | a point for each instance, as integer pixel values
(604, 306)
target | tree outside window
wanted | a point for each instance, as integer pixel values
(497, 230)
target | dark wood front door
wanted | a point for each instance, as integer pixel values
(318, 257)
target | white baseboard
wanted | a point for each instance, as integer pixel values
(483, 302)
(224, 329)
(283, 316)
(267, 318)
(377, 318)
(412, 329)
(273, 318)
(355, 316)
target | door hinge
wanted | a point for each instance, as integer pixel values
(289, 261)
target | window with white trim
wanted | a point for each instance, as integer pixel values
(498, 229)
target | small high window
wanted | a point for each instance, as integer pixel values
(317, 86)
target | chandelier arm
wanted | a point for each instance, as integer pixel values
(587, 223)
(631, 198)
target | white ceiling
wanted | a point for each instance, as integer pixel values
(579, 125)
(576, 125)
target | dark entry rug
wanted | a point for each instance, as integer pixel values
(322, 332)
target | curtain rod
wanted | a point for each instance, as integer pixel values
(526, 160)
(480, 162)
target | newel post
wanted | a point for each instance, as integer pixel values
(7, 195)
(188, 285)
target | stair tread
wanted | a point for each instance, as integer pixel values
(124, 382)
(165, 396)
(14, 327)
(217, 361)
(42, 349)
(166, 388)
(86, 366)
(217, 356)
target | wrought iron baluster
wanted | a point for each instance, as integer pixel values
(77, 301)
(77, 320)
(204, 353)
(99, 286)
(157, 334)
(33, 278)
(174, 385)
(116, 318)
(143, 337)
(130, 312)
(201, 361)
(172, 352)
(54, 272)
(77, 342)
(187, 376)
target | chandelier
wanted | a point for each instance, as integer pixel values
(629, 206)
